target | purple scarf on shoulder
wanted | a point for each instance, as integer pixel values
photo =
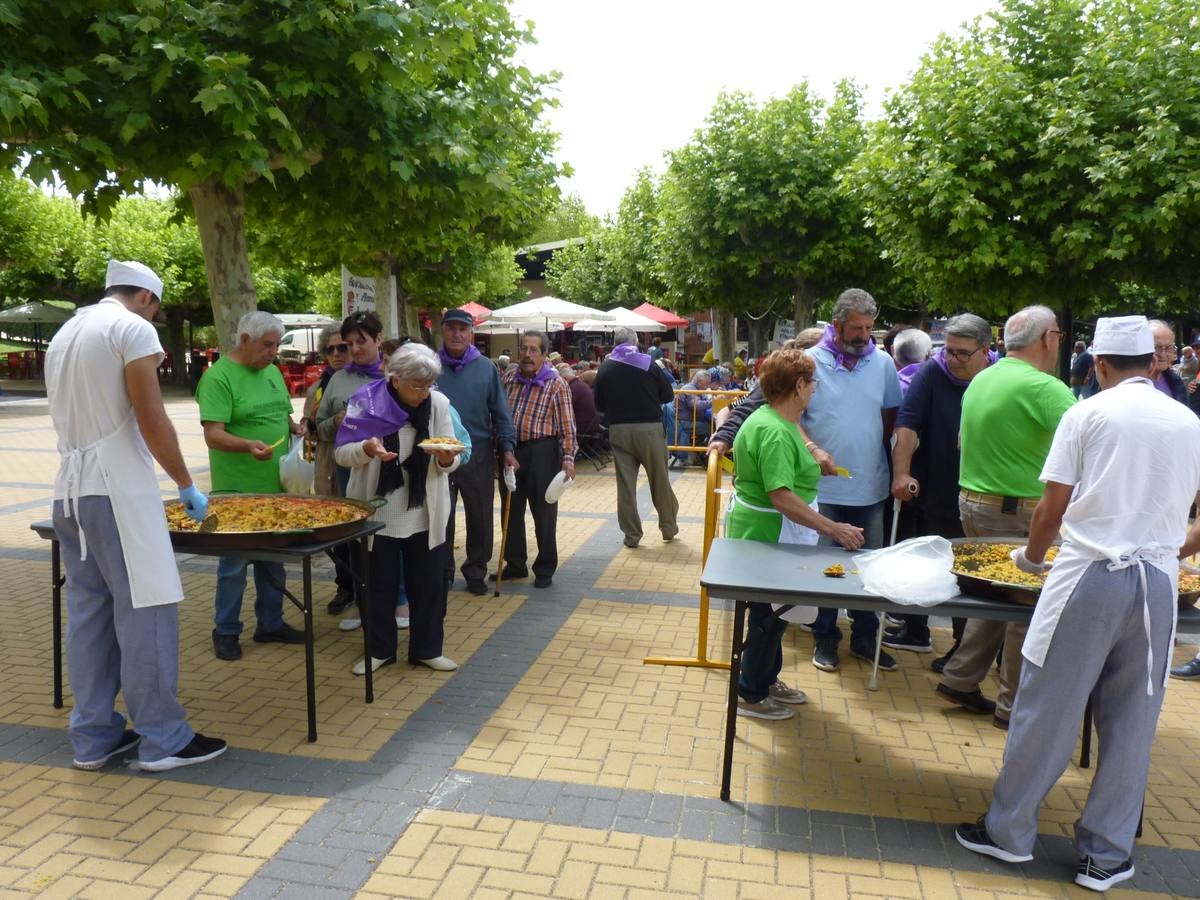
(940, 359)
(906, 376)
(472, 353)
(543, 376)
(829, 342)
(629, 355)
(370, 413)
(375, 370)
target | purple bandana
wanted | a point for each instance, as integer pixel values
(545, 375)
(829, 342)
(940, 359)
(906, 376)
(629, 355)
(375, 370)
(1161, 383)
(370, 413)
(450, 362)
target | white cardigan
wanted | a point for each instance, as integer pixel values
(400, 521)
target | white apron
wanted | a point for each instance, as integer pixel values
(1069, 565)
(129, 477)
(790, 533)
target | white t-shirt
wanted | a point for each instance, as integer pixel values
(85, 381)
(1133, 455)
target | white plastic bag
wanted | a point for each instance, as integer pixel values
(296, 472)
(916, 572)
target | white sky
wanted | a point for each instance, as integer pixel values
(639, 76)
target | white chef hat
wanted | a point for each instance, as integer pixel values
(1123, 336)
(133, 274)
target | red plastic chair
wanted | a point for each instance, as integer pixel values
(293, 377)
(16, 366)
(312, 374)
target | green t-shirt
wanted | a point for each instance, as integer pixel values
(1009, 414)
(254, 404)
(768, 454)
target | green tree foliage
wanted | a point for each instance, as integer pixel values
(586, 272)
(568, 219)
(392, 135)
(1044, 157)
(40, 238)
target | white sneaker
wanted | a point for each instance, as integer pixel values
(350, 624)
(767, 708)
(440, 663)
(784, 694)
(360, 667)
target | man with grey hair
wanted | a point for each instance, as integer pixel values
(1009, 415)
(630, 391)
(851, 416)
(247, 417)
(910, 349)
(925, 455)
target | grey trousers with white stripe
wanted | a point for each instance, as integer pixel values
(113, 647)
(1098, 650)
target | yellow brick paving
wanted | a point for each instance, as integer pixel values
(587, 711)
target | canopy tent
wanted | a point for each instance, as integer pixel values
(662, 316)
(517, 326)
(37, 314)
(544, 309)
(305, 320)
(621, 317)
(478, 311)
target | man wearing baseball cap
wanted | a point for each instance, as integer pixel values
(122, 583)
(1105, 620)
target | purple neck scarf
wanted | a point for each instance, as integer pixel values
(940, 359)
(1161, 383)
(629, 355)
(450, 362)
(829, 342)
(370, 413)
(543, 376)
(375, 370)
(906, 376)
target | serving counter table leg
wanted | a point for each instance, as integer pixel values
(56, 585)
(310, 676)
(362, 588)
(735, 668)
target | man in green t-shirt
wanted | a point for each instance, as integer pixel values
(1009, 414)
(247, 417)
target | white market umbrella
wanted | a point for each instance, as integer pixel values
(517, 326)
(621, 317)
(36, 312)
(545, 309)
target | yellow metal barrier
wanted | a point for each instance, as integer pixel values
(720, 399)
(712, 513)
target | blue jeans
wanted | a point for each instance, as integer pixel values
(269, 579)
(863, 624)
(762, 654)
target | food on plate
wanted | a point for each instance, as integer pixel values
(1188, 583)
(992, 562)
(834, 571)
(442, 443)
(268, 513)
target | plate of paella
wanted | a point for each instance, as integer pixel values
(244, 521)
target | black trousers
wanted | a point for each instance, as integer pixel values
(539, 462)
(424, 582)
(475, 483)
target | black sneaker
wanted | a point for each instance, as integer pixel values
(939, 664)
(340, 601)
(825, 657)
(902, 639)
(1094, 878)
(198, 750)
(128, 741)
(285, 634)
(887, 662)
(974, 836)
(226, 646)
(477, 587)
(1188, 671)
(543, 581)
(511, 572)
(972, 701)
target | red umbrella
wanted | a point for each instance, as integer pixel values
(477, 310)
(662, 316)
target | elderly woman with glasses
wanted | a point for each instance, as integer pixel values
(379, 441)
(335, 352)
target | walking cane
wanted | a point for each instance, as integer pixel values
(874, 685)
(503, 539)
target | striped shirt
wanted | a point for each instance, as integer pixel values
(540, 411)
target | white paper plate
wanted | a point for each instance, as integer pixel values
(556, 487)
(438, 445)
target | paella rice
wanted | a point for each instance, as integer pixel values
(992, 561)
(274, 513)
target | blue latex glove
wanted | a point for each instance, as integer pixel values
(195, 504)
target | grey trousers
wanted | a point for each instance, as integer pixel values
(475, 484)
(1098, 650)
(982, 639)
(642, 444)
(113, 647)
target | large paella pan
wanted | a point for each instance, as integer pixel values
(259, 521)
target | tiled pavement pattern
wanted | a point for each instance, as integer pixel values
(552, 764)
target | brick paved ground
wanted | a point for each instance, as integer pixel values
(553, 763)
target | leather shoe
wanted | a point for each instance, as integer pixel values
(360, 667)
(286, 634)
(1000, 723)
(226, 646)
(340, 601)
(543, 581)
(477, 587)
(439, 663)
(511, 572)
(972, 701)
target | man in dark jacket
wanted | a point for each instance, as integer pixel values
(630, 392)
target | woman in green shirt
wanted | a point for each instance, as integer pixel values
(775, 488)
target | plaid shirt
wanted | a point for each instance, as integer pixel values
(540, 411)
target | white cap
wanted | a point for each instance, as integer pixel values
(1123, 336)
(133, 274)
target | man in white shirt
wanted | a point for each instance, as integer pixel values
(1104, 623)
(122, 583)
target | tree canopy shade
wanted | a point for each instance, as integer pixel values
(378, 133)
(1045, 156)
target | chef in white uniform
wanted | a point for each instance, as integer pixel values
(1105, 621)
(122, 583)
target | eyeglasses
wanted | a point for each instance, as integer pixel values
(1165, 348)
(337, 348)
(961, 355)
(1053, 331)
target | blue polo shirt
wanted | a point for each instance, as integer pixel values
(844, 418)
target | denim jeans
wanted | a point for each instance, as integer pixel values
(231, 585)
(863, 624)
(762, 654)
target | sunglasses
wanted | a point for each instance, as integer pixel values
(337, 348)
